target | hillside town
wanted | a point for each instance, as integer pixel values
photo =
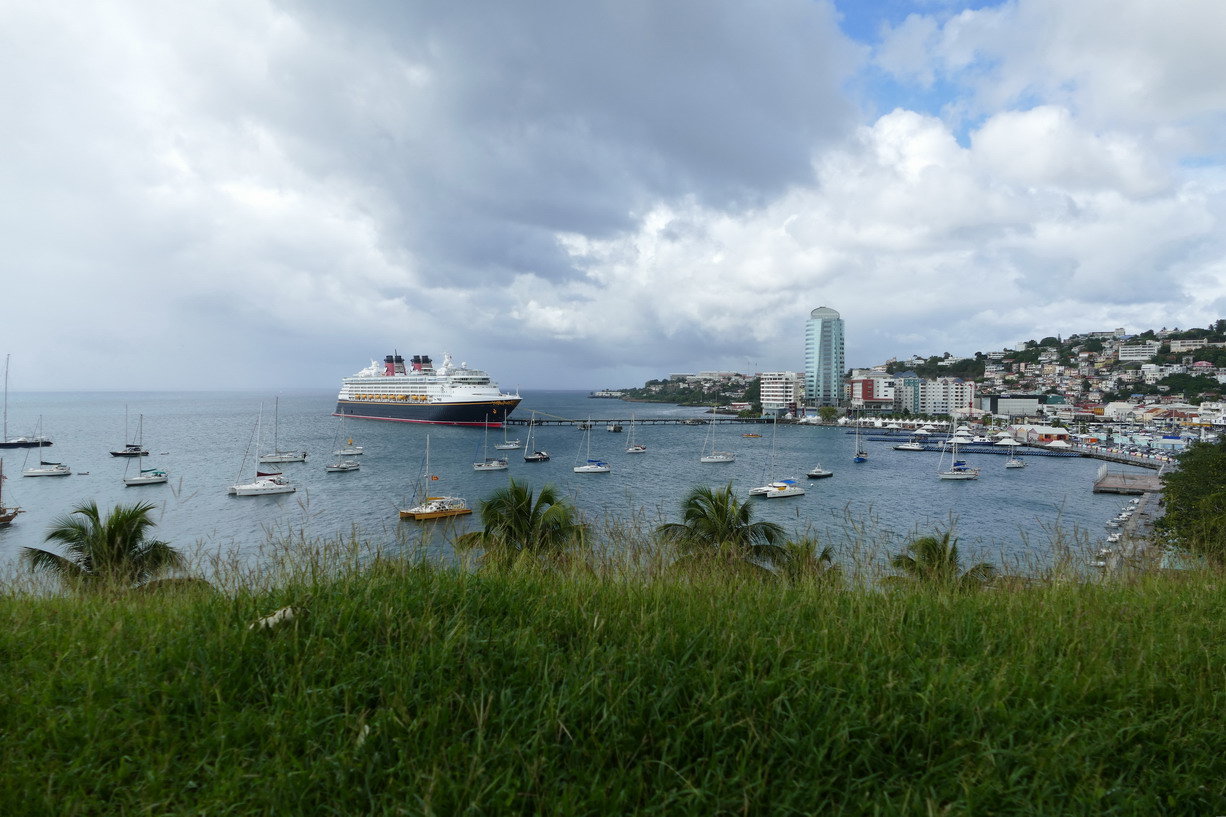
(1165, 376)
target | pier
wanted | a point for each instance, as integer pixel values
(1118, 482)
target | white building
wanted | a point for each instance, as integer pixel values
(1138, 350)
(947, 395)
(782, 391)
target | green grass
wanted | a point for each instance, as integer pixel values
(416, 690)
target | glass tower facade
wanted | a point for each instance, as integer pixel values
(824, 357)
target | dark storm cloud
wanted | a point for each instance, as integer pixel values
(563, 117)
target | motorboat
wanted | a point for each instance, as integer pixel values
(910, 445)
(342, 465)
(778, 488)
(819, 473)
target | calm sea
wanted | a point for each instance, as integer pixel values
(202, 439)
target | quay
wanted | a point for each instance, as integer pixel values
(1118, 482)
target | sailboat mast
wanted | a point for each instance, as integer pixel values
(6, 400)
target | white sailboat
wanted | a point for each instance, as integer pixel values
(958, 469)
(348, 449)
(633, 447)
(44, 468)
(433, 507)
(861, 455)
(488, 463)
(265, 482)
(592, 465)
(277, 454)
(714, 455)
(340, 465)
(506, 444)
(533, 454)
(779, 487)
(144, 476)
(7, 513)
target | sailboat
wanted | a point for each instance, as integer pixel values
(958, 469)
(340, 464)
(433, 507)
(348, 449)
(531, 454)
(265, 482)
(45, 468)
(779, 487)
(506, 445)
(592, 466)
(861, 455)
(631, 446)
(1015, 461)
(7, 514)
(277, 454)
(130, 449)
(145, 476)
(488, 463)
(16, 442)
(714, 455)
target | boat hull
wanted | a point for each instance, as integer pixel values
(25, 443)
(478, 413)
(437, 507)
(156, 480)
(47, 472)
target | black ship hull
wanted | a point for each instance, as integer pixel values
(24, 444)
(491, 412)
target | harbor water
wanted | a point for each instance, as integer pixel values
(205, 442)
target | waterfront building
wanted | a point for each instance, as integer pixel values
(947, 395)
(824, 365)
(781, 392)
(872, 391)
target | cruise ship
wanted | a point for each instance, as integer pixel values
(422, 393)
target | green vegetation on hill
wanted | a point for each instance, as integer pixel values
(686, 393)
(407, 689)
(966, 368)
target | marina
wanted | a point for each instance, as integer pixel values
(1006, 515)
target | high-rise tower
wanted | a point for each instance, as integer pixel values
(824, 357)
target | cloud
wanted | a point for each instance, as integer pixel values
(592, 193)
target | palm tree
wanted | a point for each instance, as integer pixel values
(115, 551)
(718, 531)
(517, 525)
(933, 560)
(805, 563)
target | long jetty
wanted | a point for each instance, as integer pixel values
(639, 421)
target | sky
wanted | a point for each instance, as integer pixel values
(250, 194)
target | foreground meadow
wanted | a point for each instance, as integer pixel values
(410, 689)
